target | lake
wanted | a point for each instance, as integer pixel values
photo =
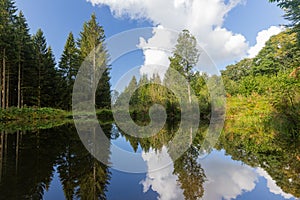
(54, 164)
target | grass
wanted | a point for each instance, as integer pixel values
(249, 117)
(31, 113)
(32, 118)
(250, 123)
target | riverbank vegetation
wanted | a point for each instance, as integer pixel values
(262, 92)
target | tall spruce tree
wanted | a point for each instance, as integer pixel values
(91, 44)
(23, 56)
(45, 85)
(40, 48)
(27, 71)
(69, 65)
(51, 88)
(7, 20)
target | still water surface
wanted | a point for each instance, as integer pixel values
(53, 164)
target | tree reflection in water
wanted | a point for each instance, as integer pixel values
(28, 160)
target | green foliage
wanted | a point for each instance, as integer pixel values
(251, 135)
(292, 13)
(185, 55)
(143, 95)
(281, 53)
(238, 71)
(92, 49)
(104, 115)
(191, 176)
(248, 117)
(29, 75)
(286, 101)
(30, 113)
(69, 65)
(181, 86)
(269, 76)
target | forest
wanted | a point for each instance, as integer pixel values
(261, 128)
(30, 78)
(29, 75)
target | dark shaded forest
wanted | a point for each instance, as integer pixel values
(29, 74)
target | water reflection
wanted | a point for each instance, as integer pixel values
(36, 162)
(226, 179)
(271, 184)
(29, 158)
(229, 179)
(162, 181)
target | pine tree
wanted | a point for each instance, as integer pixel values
(24, 51)
(50, 88)
(40, 47)
(69, 65)
(91, 45)
(45, 85)
(130, 89)
(7, 20)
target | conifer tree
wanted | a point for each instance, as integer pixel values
(69, 65)
(24, 51)
(91, 41)
(7, 20)
(45, 88)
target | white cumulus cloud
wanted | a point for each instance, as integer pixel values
(271, 184)
(156, 56)
(262, 38)
(203, 18)
(226, 178)
(162, 181)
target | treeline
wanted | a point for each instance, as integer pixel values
(274, 74)
(29, 74)
(179, 90)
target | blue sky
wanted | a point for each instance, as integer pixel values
(239, 25)
(58, 17)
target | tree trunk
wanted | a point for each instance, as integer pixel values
(189, 93)
(1, 155)
(94, 164)
(3, 80)
(1, 86)
(19, 83)
(17, 151)
(39, 89)
(5, 152)
(93, 79)
(22, 85)
(94, 176)
(191, 135)
(188, 80)
(7, 88)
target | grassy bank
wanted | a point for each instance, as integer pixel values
(258, 135)
(32, 114)
(249, 117)
(254, 125)
(32, 118)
